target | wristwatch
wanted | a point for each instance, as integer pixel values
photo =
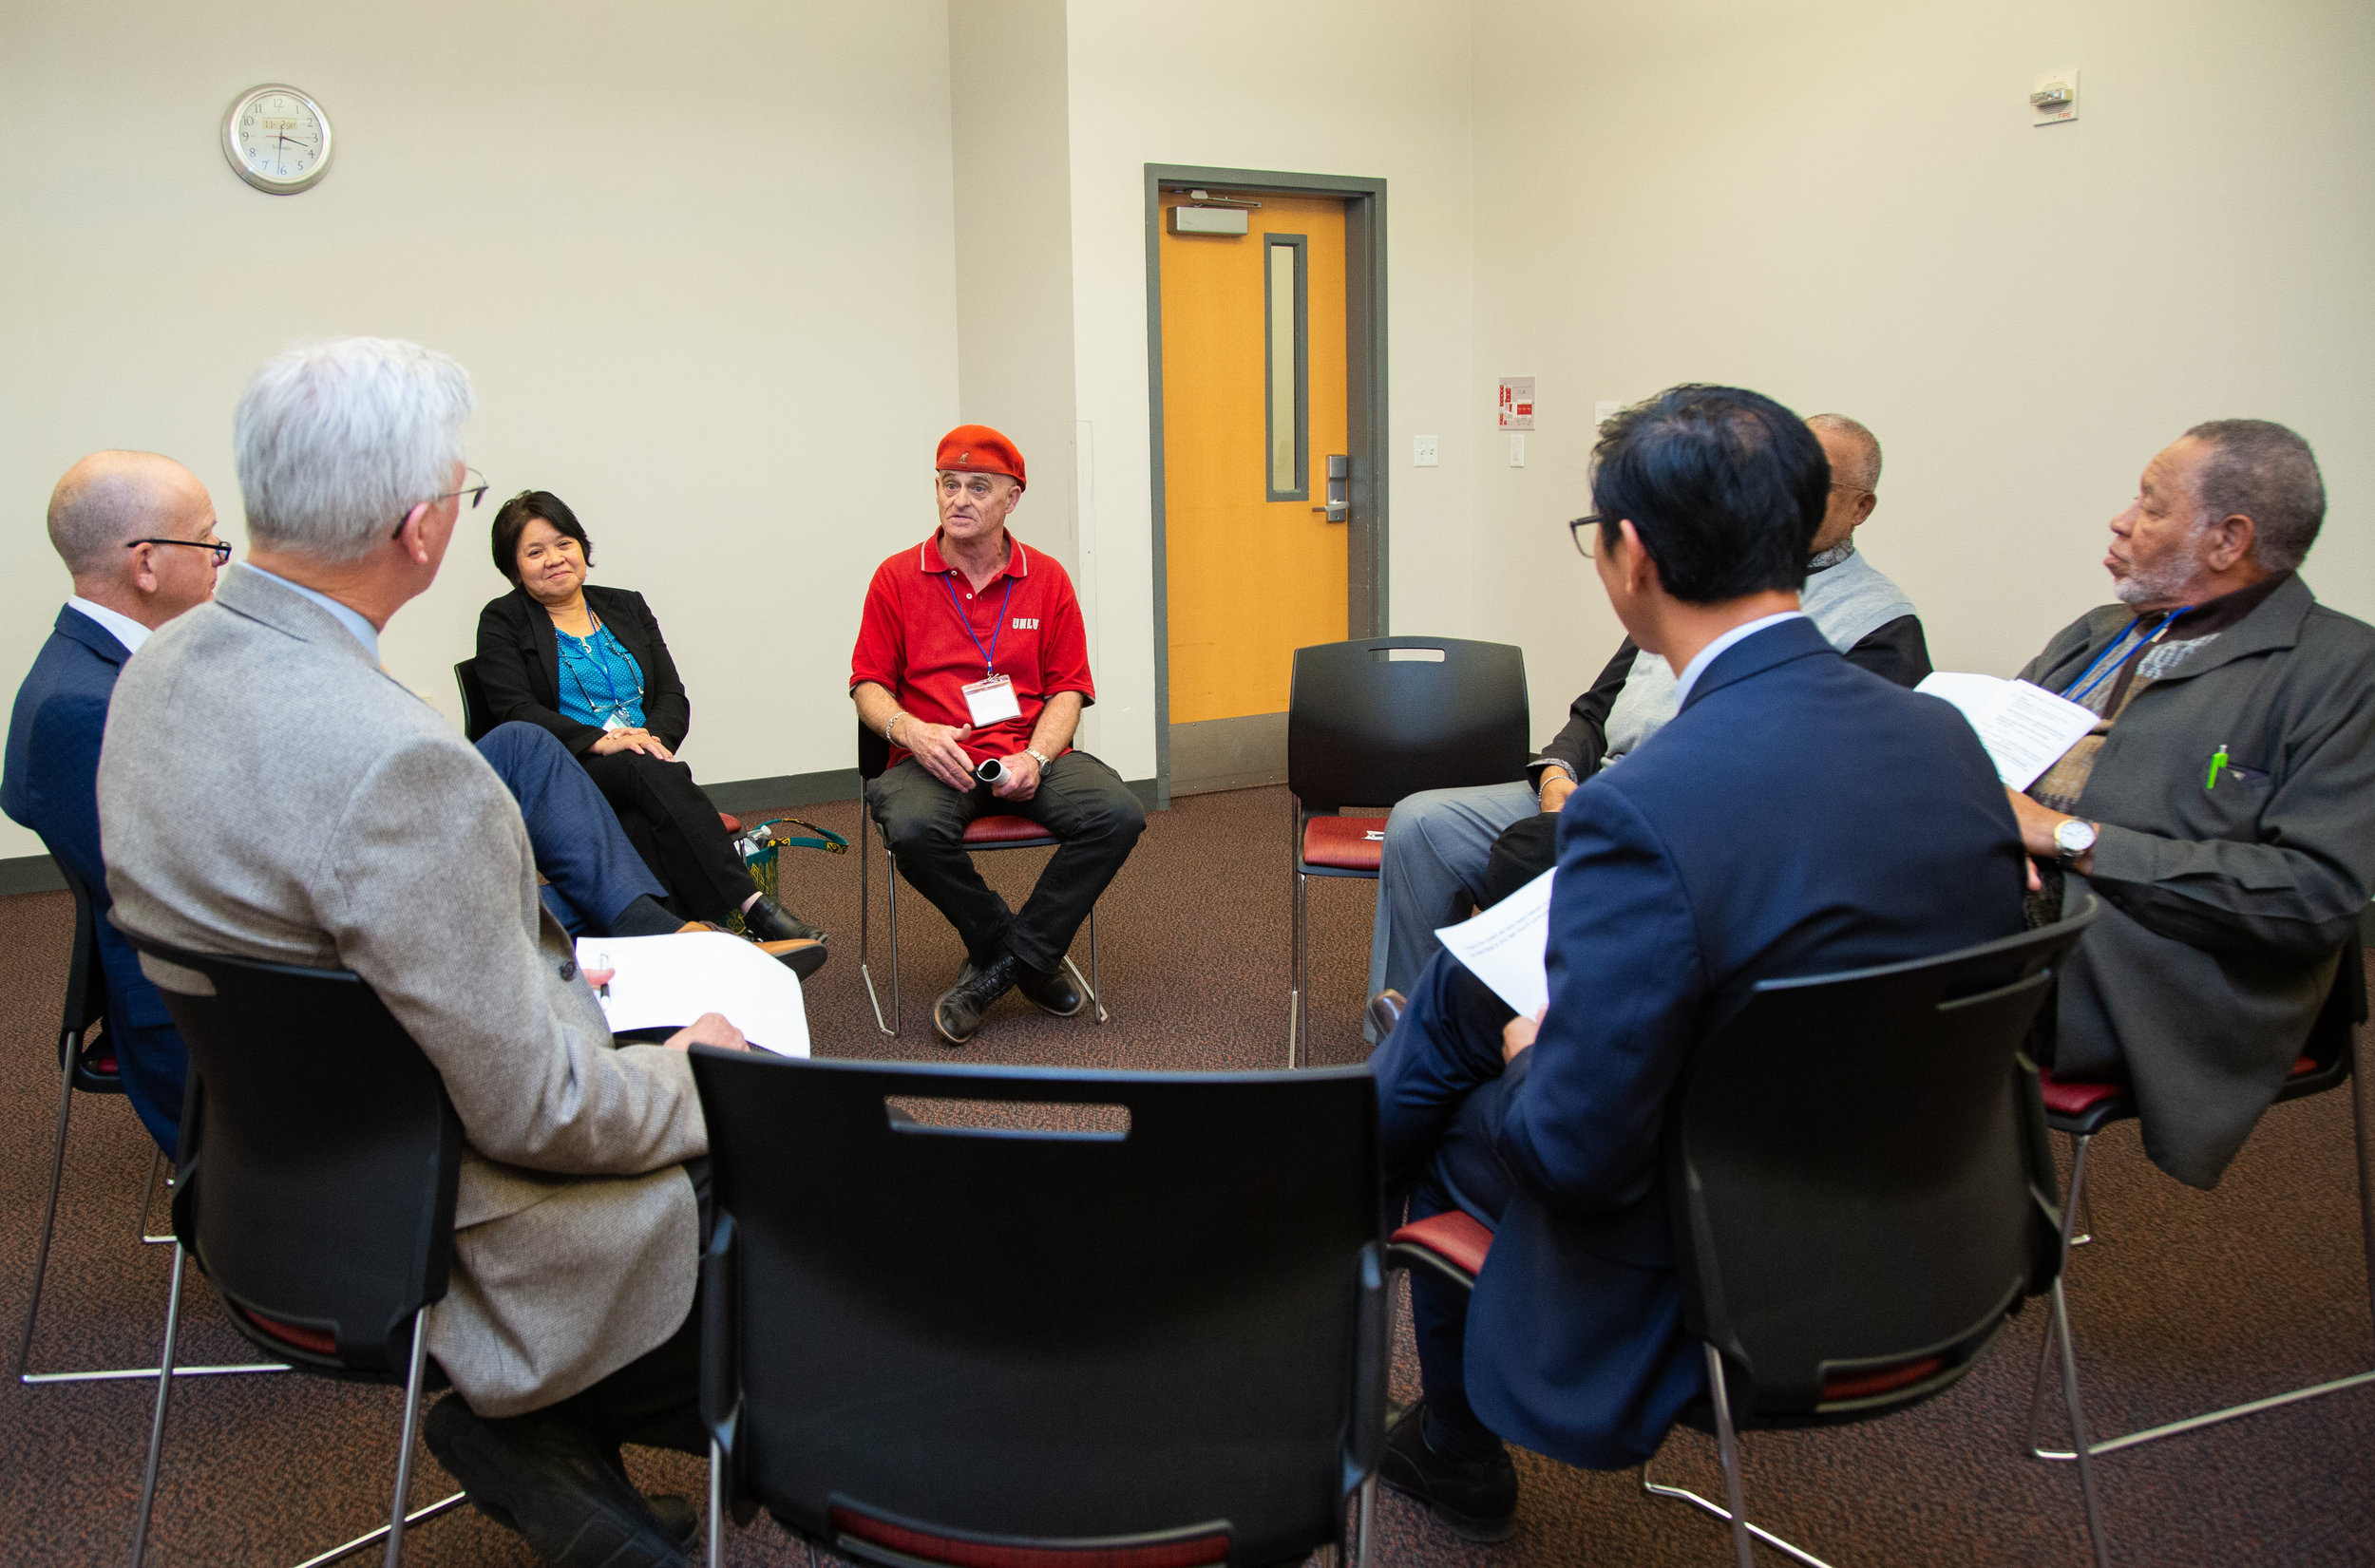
(2072, 839)
(1032, 753)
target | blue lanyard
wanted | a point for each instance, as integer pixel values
(2078, 689)
(989, 654)
(584, 647)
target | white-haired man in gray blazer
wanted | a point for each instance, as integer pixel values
(568, 1326)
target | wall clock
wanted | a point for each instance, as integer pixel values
(277, 138)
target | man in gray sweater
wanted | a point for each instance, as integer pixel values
(2224, 807)
(1446, 849)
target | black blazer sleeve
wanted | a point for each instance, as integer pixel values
(1897, 651)
(667, 710)
(518, 668)
(1584, 740)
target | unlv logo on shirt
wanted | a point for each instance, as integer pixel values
(1026, 624)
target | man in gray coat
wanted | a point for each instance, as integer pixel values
(2224, 807)
(345, 824)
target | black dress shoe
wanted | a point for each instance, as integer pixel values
(957, 1014)
(1475, 1499)
(550, 1479)
(769, 921)
(1053, 991)
(1385, 1012)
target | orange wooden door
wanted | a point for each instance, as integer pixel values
(1255, 569)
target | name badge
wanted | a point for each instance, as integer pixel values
(616, 722)
(992, 700)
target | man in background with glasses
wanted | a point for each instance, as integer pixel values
(137, 531)
(1446, 849)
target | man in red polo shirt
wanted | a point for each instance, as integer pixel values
(970, 651)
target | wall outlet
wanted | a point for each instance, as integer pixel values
(1518, 451)
(1422, 451)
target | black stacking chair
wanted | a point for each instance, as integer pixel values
(1863, 1195)
(477, 717)
(1370, 721)
(87, 1066)
(319, 1161)
(1156, 1338)
(2083, 1108)
(989, 831)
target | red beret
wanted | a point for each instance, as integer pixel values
(979, 449)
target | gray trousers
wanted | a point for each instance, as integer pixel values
(1438, 844)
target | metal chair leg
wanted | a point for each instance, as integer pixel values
(1730, 1454)
(2070, 1201)
(1295, 926)
(49, 1215)
(865, 946)
(411, 1426)
(148, 1201)
(1097, 993)
(718, 1506)
(890, 888)
(1299, 999)
(157, 1423)
(1365, 1523)
(2081, 1445)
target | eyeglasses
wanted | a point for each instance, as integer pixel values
(221, 551)
(476, 492)
(1586, 532)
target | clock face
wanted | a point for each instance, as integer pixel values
(277, 138)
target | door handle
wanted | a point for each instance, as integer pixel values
(1340, 484)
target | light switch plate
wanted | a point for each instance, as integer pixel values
(1422, 451)
(1518, 451)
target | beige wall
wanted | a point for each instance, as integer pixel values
(1845, 205)
(723, 272)
(1322, 86)
(698, 259)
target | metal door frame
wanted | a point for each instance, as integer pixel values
(1364, 400)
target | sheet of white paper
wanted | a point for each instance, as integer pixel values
(1506, 945)
(666, 982)
(2024, 727)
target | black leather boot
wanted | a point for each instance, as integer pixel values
(957, 1015)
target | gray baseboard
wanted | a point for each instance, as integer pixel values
(39, 873)
(1216, 754)
(30, 873)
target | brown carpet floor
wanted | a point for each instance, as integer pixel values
(2188, 1299)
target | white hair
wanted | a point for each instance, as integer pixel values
(1867, 477)
(336, 441)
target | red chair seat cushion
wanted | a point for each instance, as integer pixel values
(1455, 1235)
(1345, 844)
(2076, 1096)
(1002, 829)
(730, 822)
(2304, 1066)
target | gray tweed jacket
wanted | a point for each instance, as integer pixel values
(2224, 905)
(347, 824)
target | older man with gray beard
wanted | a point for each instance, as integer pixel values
(2224, 807)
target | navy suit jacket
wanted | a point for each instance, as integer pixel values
(1799, 816)
(49, 784)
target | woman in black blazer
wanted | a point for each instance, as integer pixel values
(589, 665)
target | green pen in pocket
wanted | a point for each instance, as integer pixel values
(2217, 761)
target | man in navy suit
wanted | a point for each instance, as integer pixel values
(137, 531)
(1798, 816)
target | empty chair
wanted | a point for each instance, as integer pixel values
(1138, 1323)
(1863, 1195)
(86, 1066)
(1370, 721)
(320, 1159)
